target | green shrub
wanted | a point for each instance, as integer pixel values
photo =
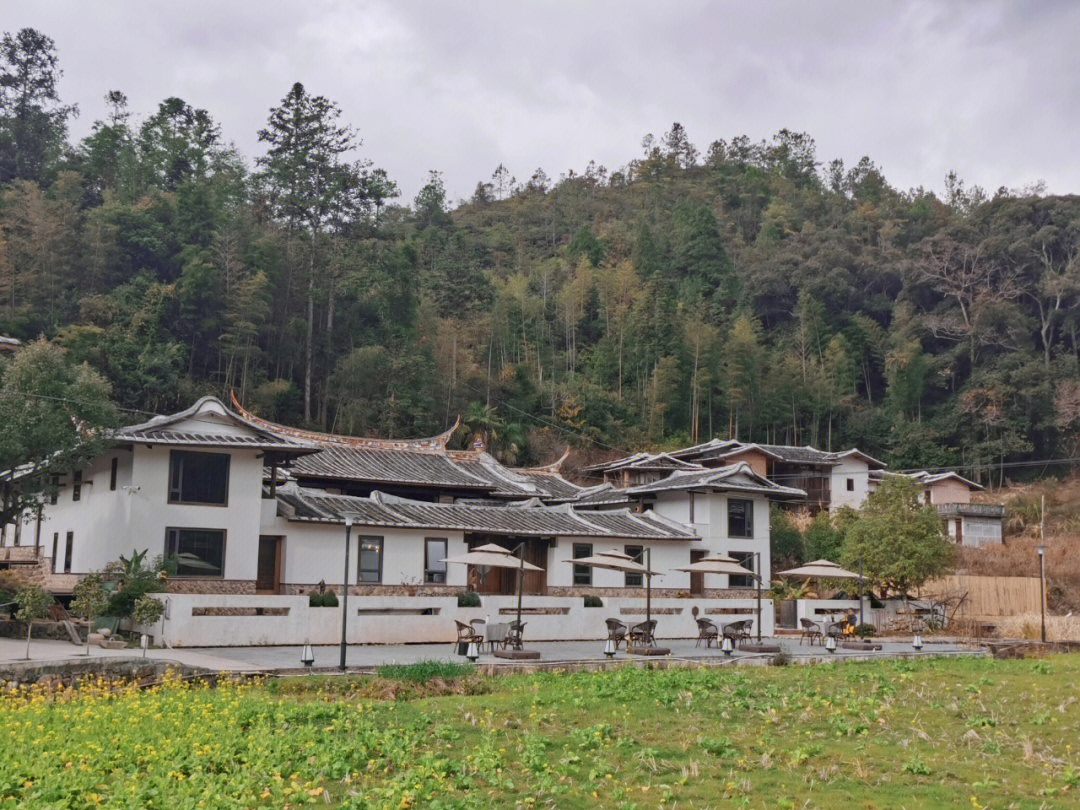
(324, 599)
(865, 630)
(423, 671)
(468, 599)
(593, 602)
(781, 659)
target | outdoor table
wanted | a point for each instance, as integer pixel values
(495, 632)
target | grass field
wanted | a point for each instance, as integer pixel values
(928, 734)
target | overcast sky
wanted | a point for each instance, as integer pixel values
(990, 89)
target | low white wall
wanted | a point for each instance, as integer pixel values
(398, 619)
(824, 611)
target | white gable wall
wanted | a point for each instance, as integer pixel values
(710, 522)
(857, 471)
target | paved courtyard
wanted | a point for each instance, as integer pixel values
(565, 651)
(243, 659)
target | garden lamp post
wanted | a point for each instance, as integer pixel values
(345, 591)
(1042, 589)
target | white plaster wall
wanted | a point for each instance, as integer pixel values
(135, 516)
(400, 621)
(859, 472)
(710, 513)
(316, 551)
(665, 556)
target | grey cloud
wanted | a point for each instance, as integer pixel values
(985, 88)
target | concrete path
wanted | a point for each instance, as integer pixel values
(51, 651)
(363, 656)
(255, 659)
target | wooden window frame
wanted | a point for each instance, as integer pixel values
(582, 570)
(360, 557)
(431, 575)
(174, 456)
(224, 548)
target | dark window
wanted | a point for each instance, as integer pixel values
(582, 573)
(199, 478)
(740, 518)
(638, 555)
(55, 550)
(18, 530)
(746, 560)
(112, 474)
(691, 494)
(198, 552)
(851, 485)
(434, 556)
(67, 552)
(370, 565)
(76, 485)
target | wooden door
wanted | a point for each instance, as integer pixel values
(268, 574)
(697, 581)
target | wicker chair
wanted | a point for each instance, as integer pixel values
(616, 631)
(466, 634)
(707, 632)
(810, 631)
(644, 633)
(513, 634)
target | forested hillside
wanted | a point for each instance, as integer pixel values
(742, 289)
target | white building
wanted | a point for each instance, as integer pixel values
(247, 508)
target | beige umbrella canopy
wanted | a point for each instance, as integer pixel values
(613, 560)
(717, 564)
(819, 569)
(492, 556)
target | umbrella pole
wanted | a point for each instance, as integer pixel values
(521, 574)
(758, 578)
(648, 591)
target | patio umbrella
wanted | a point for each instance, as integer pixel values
(819, 569)
(493, 556)
(615, 560)
(722, 564)
(824, 569)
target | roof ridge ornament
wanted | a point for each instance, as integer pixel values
(434, 444)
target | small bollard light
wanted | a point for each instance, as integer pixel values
(916, 642)
(830, 643)
(609, 648)
(307, 655)
(727, 646)
(472, 652)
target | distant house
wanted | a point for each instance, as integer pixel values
(9, 345)
(969, 524)
(828, 480)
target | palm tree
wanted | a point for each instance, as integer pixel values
(481, 425)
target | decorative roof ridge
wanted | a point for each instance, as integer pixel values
(546, 469)
(434, 444)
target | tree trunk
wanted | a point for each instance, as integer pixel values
(29, 630)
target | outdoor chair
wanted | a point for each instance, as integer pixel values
(513, 635)
(836, 629)
(465, 634)
(810, 631)
(644, 633)
(616, 631)
(707, 632)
